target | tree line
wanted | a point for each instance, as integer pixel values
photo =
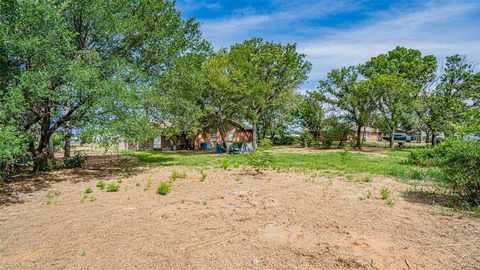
(107, 70)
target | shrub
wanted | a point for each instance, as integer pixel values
(305, 139)
(101, 185)
(265, 144)
(164, 188)
(76, 162)
(260, 160)
(461, 164)
(113, 187)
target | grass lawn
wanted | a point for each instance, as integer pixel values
(388, 162)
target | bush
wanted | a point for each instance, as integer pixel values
(76, 162)
(461, 164)
(431, 156)
(265, 144)
(164, 188)
(305, 139)
(260, 160)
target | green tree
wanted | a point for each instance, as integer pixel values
(67, 61)
(311, 113)
(267, 73)
(354, 99)
(398, 77)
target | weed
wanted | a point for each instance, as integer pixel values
(225, 164)
(390, 202)
(385, 193)
(177, 175)
(164, 188)
(101, 185)
(237, 178)
(52, 196)
(119, 181)
(366, 179)
(203, 176)
(369, 194)
(205, 203)
(113, 187)
(476, 210)
(349, 177)
(88, 190)
(92, 199)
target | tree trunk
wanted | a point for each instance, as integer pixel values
(433, 138)
(41, 154)
(51, 150)
(66, 138)
(223, 135)
(254, 135)
(359, 139)
(392, 138)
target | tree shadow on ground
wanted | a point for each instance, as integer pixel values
(101, 166)
(430, 197)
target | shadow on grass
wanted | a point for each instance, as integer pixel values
(433, 198)
(104, 166)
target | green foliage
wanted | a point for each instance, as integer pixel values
(177, 175)
(461, 164)
(88, 190)
(93, 65)
(113, 187)
(311, 114)
(260, 160)
(345, 155)
(76, 161)
(306, 138)
(203, 176)
(101, 185)
(12, 148)
(225, 164)
(431, 156)
(164, 188)
(265, 144)
(385, 193)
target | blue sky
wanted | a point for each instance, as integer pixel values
(343, 32)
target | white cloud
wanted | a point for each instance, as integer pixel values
(438, 29)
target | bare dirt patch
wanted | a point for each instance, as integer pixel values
(232, 220)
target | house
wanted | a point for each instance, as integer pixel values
(237, 134)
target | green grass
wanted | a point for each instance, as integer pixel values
(390, 163)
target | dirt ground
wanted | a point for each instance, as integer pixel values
(232, 220)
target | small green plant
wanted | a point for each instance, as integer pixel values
(52, 196)
(205, 203)
(225, 164)
(385, 193)
(93, 198)
(265, 144)
(345, 155)
(177, 175)
(390, 202)
(76, 161)
(203, 176)
(366, 179)
(349, 177)
(164, 188)
(237, 178)
(476, 210)
(88, 190)
(119, 181)
(260, 160)
(113, 187)
(101, 185)
(369, 194)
